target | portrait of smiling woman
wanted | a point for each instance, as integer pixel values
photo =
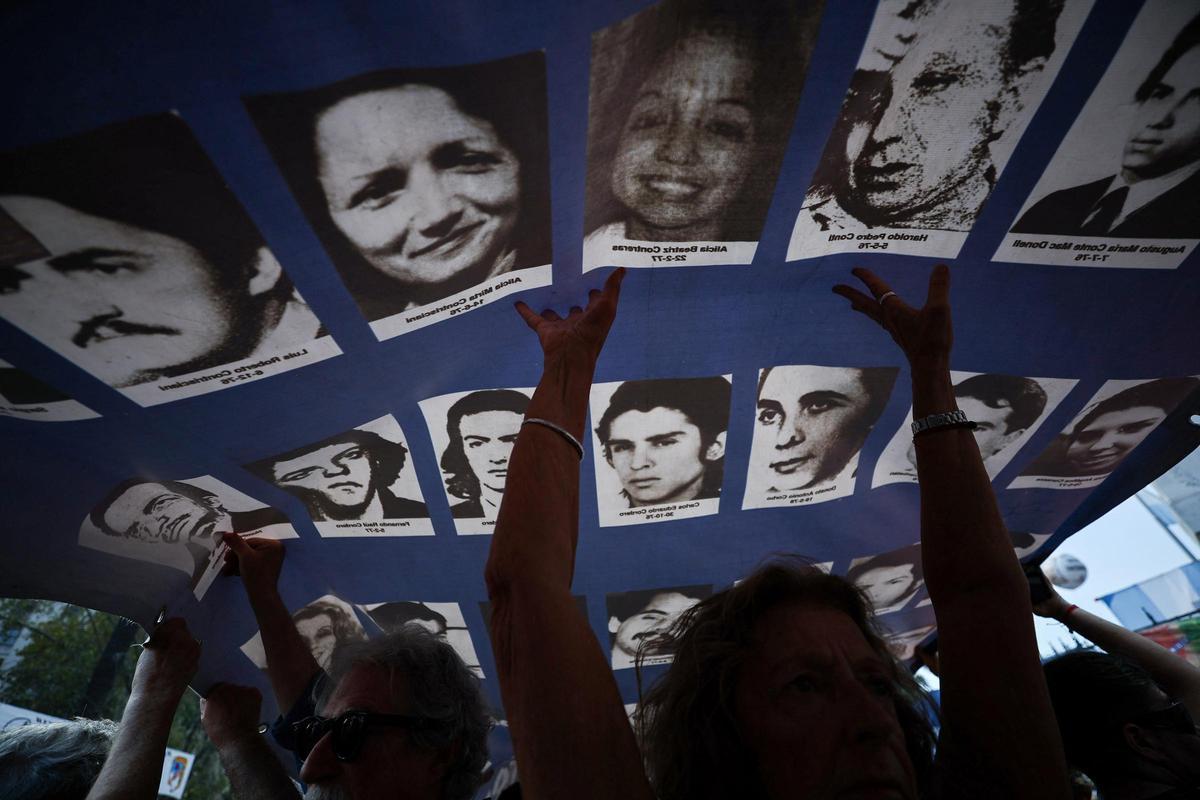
(420, 183)
(691, 104)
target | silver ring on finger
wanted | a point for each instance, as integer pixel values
(885, 296)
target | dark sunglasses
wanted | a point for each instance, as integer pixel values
(349, 731)
(1174, 717)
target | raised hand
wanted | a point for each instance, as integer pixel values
(583, 330)
(924, 334)
(168, 662)
(230, 712)
(258, 560)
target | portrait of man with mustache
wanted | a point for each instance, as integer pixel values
(124, 251)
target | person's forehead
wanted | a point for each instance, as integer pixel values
(319, 456)
(368, 687)
(62, 229)
(490, 423)
(633, 425)
(785, 384)
(391, 126)
(712, 65)
(669, 602)
(977, 410)
(1124, 416)
(1184, 74)
(316, 621)
(138, 495)
(963, 34)
(793, 634)
(886, 572)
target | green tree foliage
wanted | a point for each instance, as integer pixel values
(62, 660)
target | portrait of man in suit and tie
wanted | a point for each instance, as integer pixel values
(1155, 190)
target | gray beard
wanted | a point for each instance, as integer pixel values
(326, 793)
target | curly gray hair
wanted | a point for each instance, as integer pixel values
(442, 690)
(57, 760)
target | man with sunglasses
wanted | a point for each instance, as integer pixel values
(1128, 716)
(399, 717)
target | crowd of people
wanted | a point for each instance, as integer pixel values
(780, 686)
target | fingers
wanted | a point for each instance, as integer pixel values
(612, 286)
(611, 291)
(876, 284)
(528, 314)
(939, 286)
(859, 301)
(237, 544)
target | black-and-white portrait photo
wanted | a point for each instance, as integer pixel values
(25, 397)
(659, 447)
(444, 620)
(125, 252)
(1006, 410)
(904, 643)
(942, 94)
(473, 434)
(1116, 420)
(325, 624)
(690, 109)
(810, 424)
(639, 622)
(1138, 174)
(424, 185)
(358, 483)
(891, 581)
(178, 524)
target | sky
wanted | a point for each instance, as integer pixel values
(1125, 546)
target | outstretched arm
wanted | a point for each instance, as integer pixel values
(1176, 676)
(998, 722)
(230, 717)
(134, 764)
(569, 729)
(290, 664)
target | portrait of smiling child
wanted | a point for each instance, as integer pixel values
(691, 106)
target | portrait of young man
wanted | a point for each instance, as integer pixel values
(1152, 190)
(475, 433)
(639, 621)
(811, 422)
(891, 581)
(348, 477)
(176, 523)
(126, 253)
(1006, 409)
(663, 439)
(943, 92)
